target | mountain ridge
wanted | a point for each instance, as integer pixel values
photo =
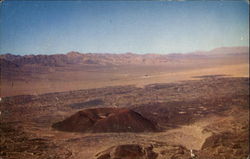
(77, 58)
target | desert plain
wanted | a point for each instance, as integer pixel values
(126, 106)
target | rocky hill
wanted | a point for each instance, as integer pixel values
(106, 120)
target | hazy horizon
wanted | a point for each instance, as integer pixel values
(168, 53)
(141, 27)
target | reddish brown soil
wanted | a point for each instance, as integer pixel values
(210, 115)
(106, 120)
(226, 145)
(14, 144)
(128, 151)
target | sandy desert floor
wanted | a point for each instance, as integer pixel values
(38, 80)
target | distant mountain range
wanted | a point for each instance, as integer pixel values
(224, 51)
(76, 58)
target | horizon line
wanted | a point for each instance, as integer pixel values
(128, 52)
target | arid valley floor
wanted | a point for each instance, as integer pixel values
(139, 109)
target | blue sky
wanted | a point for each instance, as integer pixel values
(49, 27)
